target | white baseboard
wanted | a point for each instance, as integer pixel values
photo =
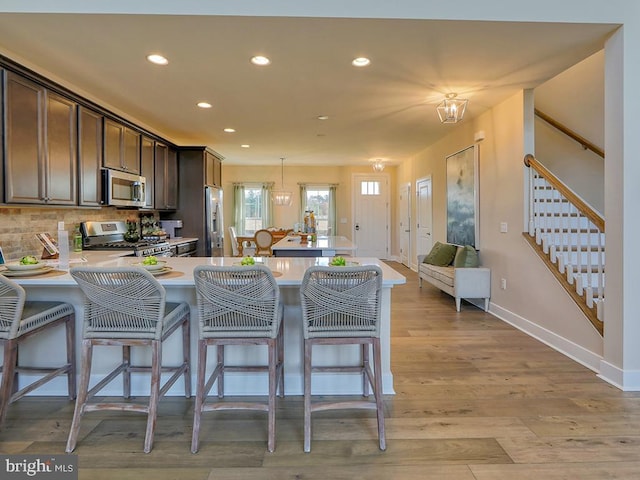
(572, 350)
(627, 381)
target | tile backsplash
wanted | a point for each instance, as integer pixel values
(18, 225)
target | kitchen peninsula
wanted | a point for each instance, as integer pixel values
(324, 246)
(179, 284)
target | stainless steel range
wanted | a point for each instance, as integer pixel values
(110, 236)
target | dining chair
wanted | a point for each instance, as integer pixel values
(264, 240)
(238, 306)
(342, 306)
(21, 319)
(126, 307)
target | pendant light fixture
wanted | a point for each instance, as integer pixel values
(451, 109)
(282, 197)
(378, 165)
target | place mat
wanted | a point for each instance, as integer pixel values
(168, 274)
(51, 272)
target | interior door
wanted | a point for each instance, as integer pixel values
(371, 215)
(405, 224)
(424, 216)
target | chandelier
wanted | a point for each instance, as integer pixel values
(282, 197)
(378, 165)
(452, 109)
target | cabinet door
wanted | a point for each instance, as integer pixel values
(171, 184)
(23, 145)
(89, 157)
(113, 144)
(213, 170)
(60, 150)
(147, 169)
(131, 151)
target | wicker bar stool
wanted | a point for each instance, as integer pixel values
(341, 306)
(238, 306)
(125, 306)
(21, 319)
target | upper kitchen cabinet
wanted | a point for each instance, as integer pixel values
(121, 147)
(213, 169)
(166, 178)
(40, 144)
(147, 169)
(205, 165)
(89, 157)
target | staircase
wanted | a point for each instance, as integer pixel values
(569, 237)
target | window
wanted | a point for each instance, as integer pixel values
(321, 199)
(252, 209)
(370, 188)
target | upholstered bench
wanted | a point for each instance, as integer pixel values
(454, 270)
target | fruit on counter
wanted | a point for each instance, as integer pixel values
(247, 261)
(150, 260)
(338, 262)
(28, 260)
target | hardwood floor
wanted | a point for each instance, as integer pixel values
(475, 400)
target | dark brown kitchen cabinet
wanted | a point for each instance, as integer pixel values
(147, 169)
(89, 157)
(166, 178)
(40, 144)
(121, 147)
(213, 169)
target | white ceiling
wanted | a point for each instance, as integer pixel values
(385, 110)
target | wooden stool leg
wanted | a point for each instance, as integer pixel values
(85, 373)
(200, 394)
(70, 328)
(154, 396)
(126, 374)
(8, 377)
(365, 366)
(186, 356)
(273, 368)
(307, 395)
(377, 360)
(220, 365)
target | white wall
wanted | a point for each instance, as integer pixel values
(574, 98)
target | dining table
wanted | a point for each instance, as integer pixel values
(176, 276)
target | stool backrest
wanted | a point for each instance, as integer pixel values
(237, 301)
(341, 301)
(12, 298)
(121, 302)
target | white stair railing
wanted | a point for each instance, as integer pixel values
(570, 233)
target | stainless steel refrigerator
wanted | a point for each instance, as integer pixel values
(214, 232)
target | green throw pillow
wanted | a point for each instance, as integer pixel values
(466, 257)
(441, 254)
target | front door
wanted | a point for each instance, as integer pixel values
(371, 215)
(424, 215)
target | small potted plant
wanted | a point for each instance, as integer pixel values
(132, 234)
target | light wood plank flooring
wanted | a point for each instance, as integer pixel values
(476, 400)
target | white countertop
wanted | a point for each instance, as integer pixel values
(322, 243)
(288, 271)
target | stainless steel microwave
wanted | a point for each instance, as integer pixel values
(123, 189)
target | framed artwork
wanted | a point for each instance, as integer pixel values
(462, 197)
(1, 256)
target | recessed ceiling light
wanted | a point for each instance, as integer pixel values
(360, 62)
(323, 117)
(244, 145)
(230, 130)
(157, 59)
(204, 104)
(260, 60)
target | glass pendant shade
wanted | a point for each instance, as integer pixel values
(281, 198)
(452, 109)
